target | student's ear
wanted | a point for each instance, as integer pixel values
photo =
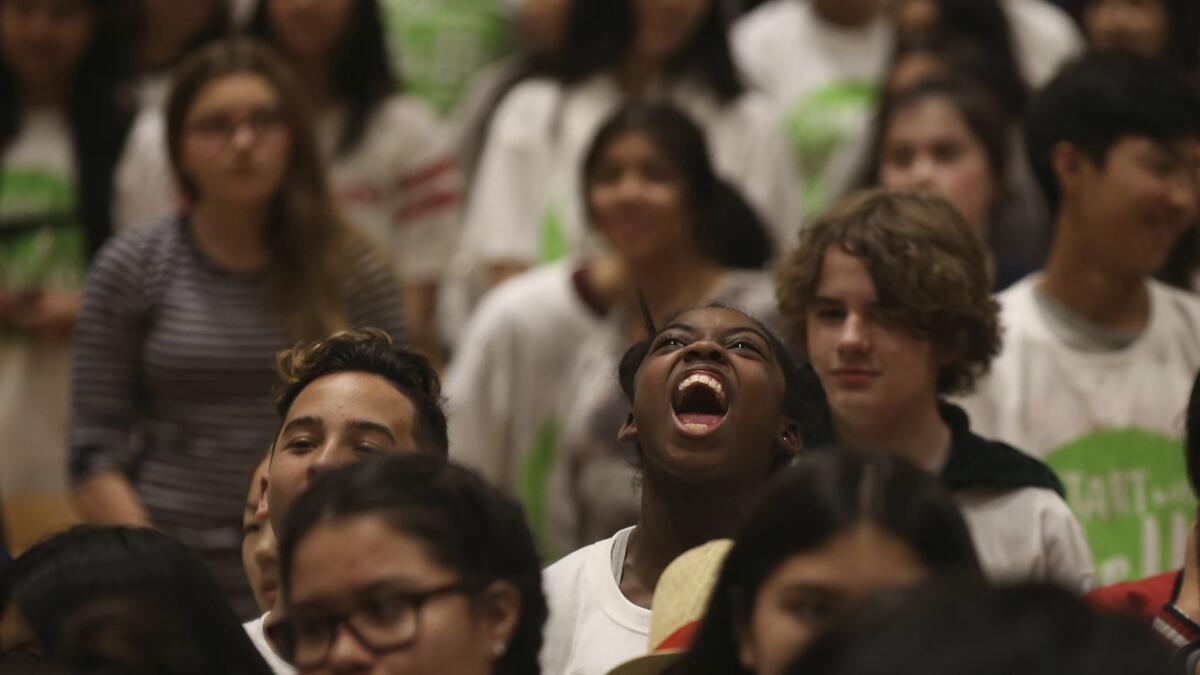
(628, 431)
(788, 437)
(1069, 163)
(500, 612)
(264, 509)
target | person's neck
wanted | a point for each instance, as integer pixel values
(637, 74)
(43, 96)
(676, 518)
(918, 435)
(232, 237)
(1112, 301)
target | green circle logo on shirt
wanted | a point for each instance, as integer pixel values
(1129, 490)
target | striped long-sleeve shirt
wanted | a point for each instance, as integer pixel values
(172, 380)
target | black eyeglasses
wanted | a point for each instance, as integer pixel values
(386, 623)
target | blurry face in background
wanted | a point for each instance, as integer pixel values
(309, 28)
(543, 24)
(186, 17)
(665, 27)
(259, 550)
(809, 589)
(928, 145)
(1139, 26)
(848, 13)
(236, 144)
(912, 68)
(44, 40)
(638, 200)
(914, 19)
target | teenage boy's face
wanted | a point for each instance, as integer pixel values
(1135, 205)
(336, 420)
(871, 369)
(708, 402)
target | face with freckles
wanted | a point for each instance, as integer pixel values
(338, 419)
(708, 401)
(871, 369)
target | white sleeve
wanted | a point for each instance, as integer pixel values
(144, 183)
(503, 214)
(479, 394)
(1068, 556)
(427, 208)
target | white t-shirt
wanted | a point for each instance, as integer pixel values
(504, 386)
(823, 78)
(1109, 423)
(1045, 37)
(42, 246)
(255, 629)
(526, 205)
(1027, 534)
(399, 185)
(592, 626)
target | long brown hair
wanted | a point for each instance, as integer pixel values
(309, 241)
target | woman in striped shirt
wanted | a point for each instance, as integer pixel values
(173, 359)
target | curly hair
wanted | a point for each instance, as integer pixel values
(929, 272)
(372, 351)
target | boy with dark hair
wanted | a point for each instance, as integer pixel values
(1098, 356)
(343, 399)
(887, 297)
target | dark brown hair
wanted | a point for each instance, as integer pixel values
(928, 269)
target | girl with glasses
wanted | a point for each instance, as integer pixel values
(408, 564)
(181, 319)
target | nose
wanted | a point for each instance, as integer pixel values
(704, 350)
(922, 171)
(244, 135)
(327, 458)
(347, 655)
(854, 337)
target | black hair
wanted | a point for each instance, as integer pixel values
(1100, 99)
(601, 33)
(1028, 628)
(1192, 440)
(371, 351)
(99, 109)
(975, 35)
(984, 118)
(465, 524)
(801, 400)
(825, 493)
(91, 583)
(728, 231)
(360, 71)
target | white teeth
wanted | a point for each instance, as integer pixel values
(706, 380)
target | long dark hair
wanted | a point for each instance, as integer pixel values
(976, 34)
(466, 525)
(727, 230)
(600, 34)
(99, 109)
(137, 585)
(825, 493)
(360, 71)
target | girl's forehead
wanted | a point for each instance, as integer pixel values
(713, 317)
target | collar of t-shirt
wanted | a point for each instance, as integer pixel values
(619, 547)
(977, 462)
(1075, 330)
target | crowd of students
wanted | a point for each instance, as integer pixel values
(775, 332)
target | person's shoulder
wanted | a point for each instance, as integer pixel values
(770, 22)
(527, 107)
(542, 291)
(405, 113)
(149, 243)
(1176, 299)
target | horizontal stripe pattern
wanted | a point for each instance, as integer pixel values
(172, 377)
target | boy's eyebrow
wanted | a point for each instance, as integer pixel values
(306, 421)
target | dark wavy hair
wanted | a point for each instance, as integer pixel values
(600, 34)
(361, 71)
(727, 229)
(825, 493)
(372, 351)
(128, 600)
(465, 524)
(1102, 98)
(929, 272)
(99, 110)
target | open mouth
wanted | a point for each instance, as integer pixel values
(700, 403)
